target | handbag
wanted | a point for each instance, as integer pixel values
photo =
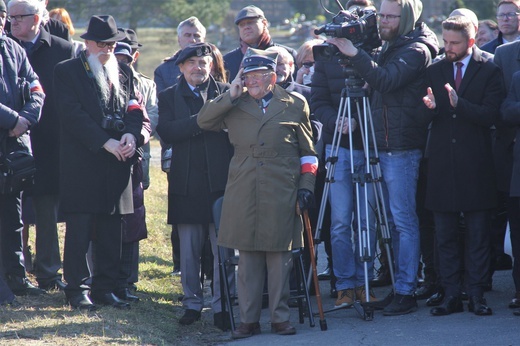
(17, 170)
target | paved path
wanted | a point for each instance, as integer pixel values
(346, 327)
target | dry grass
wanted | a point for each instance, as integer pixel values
(47, 320)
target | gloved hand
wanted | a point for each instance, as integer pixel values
(305, 199)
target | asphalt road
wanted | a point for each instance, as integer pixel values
(346, 327)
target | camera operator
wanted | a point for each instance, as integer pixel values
(327, 85)
(101, 124)
(396, 76)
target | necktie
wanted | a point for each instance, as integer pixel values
(458, 75)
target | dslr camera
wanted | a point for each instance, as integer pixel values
(358, 25)
(113, 122)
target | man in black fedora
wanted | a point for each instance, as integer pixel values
(101, 123)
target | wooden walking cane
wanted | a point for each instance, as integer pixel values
(310, 238)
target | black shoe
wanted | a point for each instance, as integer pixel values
(221, 321)
(333, 292)
(124, 293)
(383, 278)
(436, 299)
(515, 302)
(13, 303)
(426, 291)
(55, 284)
(109, 299)
(383, 303)
(478, 305)
(22, 287)
(451, 304)
(503, 262)
(516, 312)
(81, 301)
(324, 275)
(401, 305)
(464, 296)
(189, 317)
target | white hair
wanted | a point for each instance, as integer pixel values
(106, 77)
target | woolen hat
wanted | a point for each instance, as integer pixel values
(103, 29)
(256, 59)
(194, 49)
(131, 38)
(3, 8)
(249, 12)
(123, 48)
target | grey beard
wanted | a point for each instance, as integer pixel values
(108, 79)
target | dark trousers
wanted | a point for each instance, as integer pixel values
(514, 229)
(105, 232)
(11, 235)
(476, 257)
(47, 261)
(129, 269)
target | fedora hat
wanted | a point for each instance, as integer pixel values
(130, 38)
(103, 29)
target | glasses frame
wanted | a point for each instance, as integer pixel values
(20, 17)
(508, 15)
(308, 63)
(388, 17)
(110, 44)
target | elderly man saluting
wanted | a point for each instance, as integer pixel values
(274, 166)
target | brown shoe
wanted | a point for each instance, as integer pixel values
(245, 330)
(283, 328)
(361, 294)
(345, 298)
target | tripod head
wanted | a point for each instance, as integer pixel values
(353, 81)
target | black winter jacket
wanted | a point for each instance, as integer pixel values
(396, 77)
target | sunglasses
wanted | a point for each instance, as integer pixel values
(308, 63)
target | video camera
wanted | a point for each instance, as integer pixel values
(358, 25)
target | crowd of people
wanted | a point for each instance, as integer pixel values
(260, 126)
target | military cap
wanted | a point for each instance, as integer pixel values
(194, 49)
(256, 59)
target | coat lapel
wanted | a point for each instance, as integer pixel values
(278, 104)
(471, 71)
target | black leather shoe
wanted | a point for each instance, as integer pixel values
(221, 321)
(324, 275)
(124, 293)
(515, 303)
(55, 284)
(436, 299)
(22, 286)
(503, 262)
(426, 291)
(516, 312)
(383, 279)
(478, 305)
(189, 317)
(451, 304)
(81, 301)
(109, 299)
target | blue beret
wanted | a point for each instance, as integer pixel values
(194, 49)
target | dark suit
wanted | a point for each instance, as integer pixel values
(460, 168)
(48, 51)
(95, 186)
(511, 116)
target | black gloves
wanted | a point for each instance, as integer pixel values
(305, 199)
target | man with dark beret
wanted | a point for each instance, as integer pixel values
(198, 173)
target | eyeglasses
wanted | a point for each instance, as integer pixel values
(509, 15)
(19, 17)
(105, 44)
(255, 76)
(308, 63)
(388, 17)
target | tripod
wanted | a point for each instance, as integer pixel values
(354, 94)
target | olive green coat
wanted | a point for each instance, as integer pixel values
(259, 209)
